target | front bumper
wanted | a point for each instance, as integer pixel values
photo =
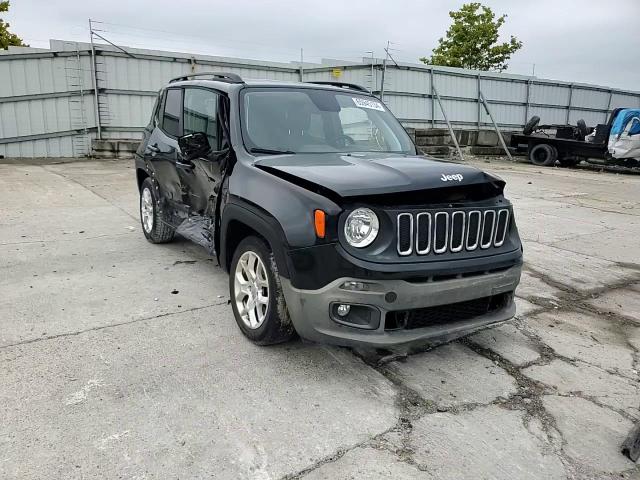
(310, 309)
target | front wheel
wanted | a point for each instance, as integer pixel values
(256, 294)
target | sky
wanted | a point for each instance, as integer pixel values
(582, 41)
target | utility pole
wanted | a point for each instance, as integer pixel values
(94, 79)
(384, 71)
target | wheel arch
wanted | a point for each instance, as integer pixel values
(240, 221)
(141, 175)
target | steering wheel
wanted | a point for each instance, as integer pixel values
(344, 141)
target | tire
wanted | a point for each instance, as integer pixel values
(583, 131)
(531, 125)
(543, 155)
(155, 224)
(268, 322)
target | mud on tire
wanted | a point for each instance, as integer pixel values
(276, 326)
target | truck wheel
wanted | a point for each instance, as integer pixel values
(256, 294)
(531, 125)
(543, 155)
(155, 224)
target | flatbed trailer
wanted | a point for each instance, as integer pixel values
(544, 150)
(568, 146)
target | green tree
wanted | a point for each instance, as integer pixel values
(6, 37)
(472, 41)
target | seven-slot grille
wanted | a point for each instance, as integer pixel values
(438, 232)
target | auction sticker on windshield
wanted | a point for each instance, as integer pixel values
(371, 104)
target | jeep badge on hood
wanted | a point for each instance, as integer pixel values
(449, 178)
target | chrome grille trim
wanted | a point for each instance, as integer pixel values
(488, 227)
(484, 225)
(498, 242)
(435, 232)
(471, 248)
(410, 249)
(427, 217)
(453, 217)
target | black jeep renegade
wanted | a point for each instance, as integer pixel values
(313, 198)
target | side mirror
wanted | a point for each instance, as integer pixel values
(194, 145)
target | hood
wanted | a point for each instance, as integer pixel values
(359, 174)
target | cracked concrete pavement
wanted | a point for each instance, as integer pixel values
(108, 374)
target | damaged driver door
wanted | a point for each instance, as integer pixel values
(200, 174)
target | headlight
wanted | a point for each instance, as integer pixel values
(361, 227)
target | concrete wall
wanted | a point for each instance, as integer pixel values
(48, 101)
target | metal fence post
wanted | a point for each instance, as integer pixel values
(451, 131)
(478, 97)
(569, 105)
(504, 145)
(433, 101)
(606, 114)
(526, 105)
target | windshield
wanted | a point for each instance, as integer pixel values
(307, 120)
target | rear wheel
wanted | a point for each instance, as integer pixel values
(155, 224)
(256, 294)
(543, 155)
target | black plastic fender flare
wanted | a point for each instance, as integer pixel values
(260, 221)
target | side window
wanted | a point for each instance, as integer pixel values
(171, 114)
(201, 114)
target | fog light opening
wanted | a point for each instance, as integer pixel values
(355, 286)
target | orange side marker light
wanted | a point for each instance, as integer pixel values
(319, 220)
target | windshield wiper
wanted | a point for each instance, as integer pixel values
(269, 151)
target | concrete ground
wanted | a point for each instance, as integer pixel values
(121, 359)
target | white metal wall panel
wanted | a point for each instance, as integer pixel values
(48, 147)
(504, 90)
(409, 107)
(590, 118)
(621, 100)
(549, 94)
(130, 110)
(412, 81)
(503, 114)
(548, 115)
(458, 111)
(455, 86)
(589, 98)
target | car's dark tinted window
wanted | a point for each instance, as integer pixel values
(200, 113)
(172, 109)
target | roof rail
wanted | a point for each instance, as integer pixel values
(221, 76)
(351, 86)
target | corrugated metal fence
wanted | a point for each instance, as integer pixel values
(48, 103)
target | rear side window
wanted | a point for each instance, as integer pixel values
(172, 112)
(201, 114)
